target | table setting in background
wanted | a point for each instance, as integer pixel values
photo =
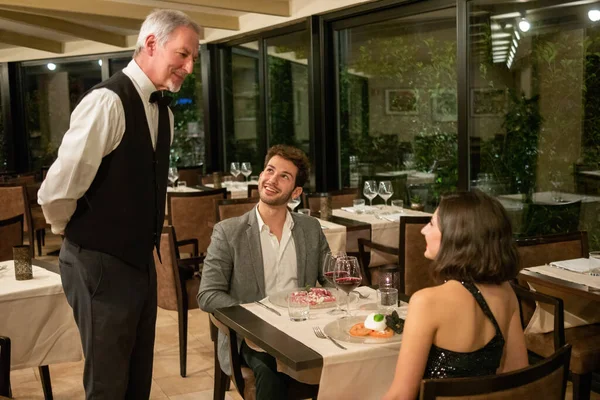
(583, 271)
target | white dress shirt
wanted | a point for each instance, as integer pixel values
(279, 257)
(96, 129)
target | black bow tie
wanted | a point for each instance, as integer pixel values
(159, 98)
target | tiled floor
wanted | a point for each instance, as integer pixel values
(166, 383)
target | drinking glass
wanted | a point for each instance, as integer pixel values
(347, 276)
(370, 191)
(358, 205)
(385, 191)
(293, 203)
(173, 176)
(388, 299)
(328, 271)
(594, 263)
(305, 211)
(298, 308)
(246, 170)
(181, 184)
(234, 169)
(398, 204)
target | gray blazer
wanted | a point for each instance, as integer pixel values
(233, 270)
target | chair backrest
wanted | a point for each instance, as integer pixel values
(22, 179)
(191, 175)
(398, 183)
(11, 234)
(312, 201)
(343, 198)
(545, 380)
(546, 219)
(168, 283)
(13, 202)
(230, 208)
(192, 214)
(414, 267)
(253, 191)
(4, 366)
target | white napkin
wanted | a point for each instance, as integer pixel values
(580, 265)
(393, 217)
(360, 210)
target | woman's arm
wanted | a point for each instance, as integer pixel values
(418, 334)
(515, 350)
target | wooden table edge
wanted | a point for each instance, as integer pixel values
(553, 283)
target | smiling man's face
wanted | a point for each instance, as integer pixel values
(175, 60)
(277, 183)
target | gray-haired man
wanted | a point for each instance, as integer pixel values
(106, 194)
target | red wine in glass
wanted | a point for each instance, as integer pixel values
(348, 284)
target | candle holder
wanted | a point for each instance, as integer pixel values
(389, 277)
(22, 259)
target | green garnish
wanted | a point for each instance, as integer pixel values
(307, 288)
(378, 317)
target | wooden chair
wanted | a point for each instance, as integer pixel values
(253, 191)
(13, 202)
(191, 175)
(546, 219)
(28, 178)
(233, 207)
(413, 266)
(11, 234)
(5, 367)
(339, 198)
(192, 214)
(177, 286)
(546, 380)
(243, 377)
(585, 355)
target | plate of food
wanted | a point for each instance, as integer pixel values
(318, 297)
(371, 329)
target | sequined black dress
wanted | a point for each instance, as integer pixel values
(443, 363)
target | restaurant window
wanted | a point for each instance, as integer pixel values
(243, 130)
(52, 90)
(533, 114)
(116, 64)
(397, 106)
(287, 87)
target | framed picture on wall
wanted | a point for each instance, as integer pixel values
(443, 106)
(401, 102)
(488, 102)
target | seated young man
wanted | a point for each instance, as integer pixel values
(264, 251)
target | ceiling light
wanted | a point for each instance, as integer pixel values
(100, 62)
(594, 15)
(524, 25)
(500, 35)
(499, 42)
(51, 66)
(517, 35)
(515, 43)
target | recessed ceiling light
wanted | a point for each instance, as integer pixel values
(594, 15)
(51, 66)
(524, 25)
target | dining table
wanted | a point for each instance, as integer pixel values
(38, 320)
(360, 371)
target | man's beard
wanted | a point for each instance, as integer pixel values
(280, 200)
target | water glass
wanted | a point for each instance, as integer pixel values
(298, 308)
(387, 299)
(22, 259)
(358, 205)
(181, 184)
(305, 211)
(594, 263)
(398, 205)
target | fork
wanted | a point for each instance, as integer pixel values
(321, 335)
(362, 296)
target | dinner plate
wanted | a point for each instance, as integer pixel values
(340, 330)
(280, 298)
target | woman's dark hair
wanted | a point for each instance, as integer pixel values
(477, 243)
(296, 156)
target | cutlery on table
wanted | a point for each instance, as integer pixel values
(268, 308)
(321, 335)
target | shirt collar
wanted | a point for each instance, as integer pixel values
(140, 79)
(289, 221)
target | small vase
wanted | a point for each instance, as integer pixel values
(417, 207)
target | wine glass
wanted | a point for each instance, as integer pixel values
(370, 191)
(173, 176)
(385, 191)
(234, 169)
(347, 276)
(293, 203)
(328, 271)
(246, 169)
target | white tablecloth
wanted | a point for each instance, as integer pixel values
(363, 371)
(37, 318)
(335, 235)
(383, 231)
(583, 279)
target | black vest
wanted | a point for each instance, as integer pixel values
(123, 210)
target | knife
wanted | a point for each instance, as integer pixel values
(268, 308)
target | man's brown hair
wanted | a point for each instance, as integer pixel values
(477, 243)
(296, 156)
